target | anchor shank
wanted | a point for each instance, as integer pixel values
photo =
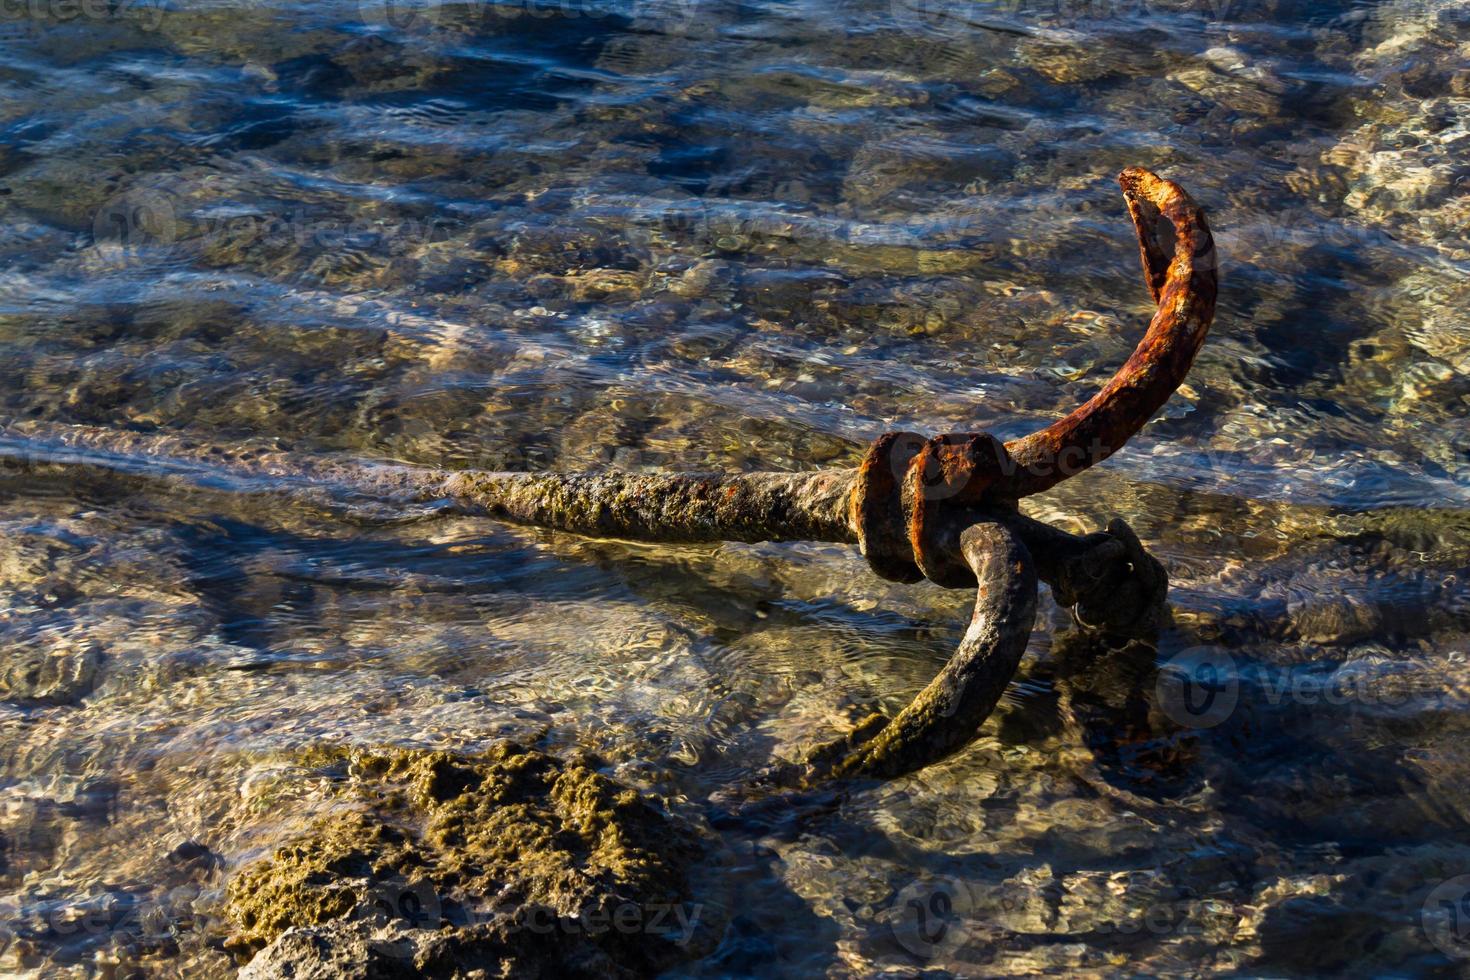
(668, 508)
(1107, 576)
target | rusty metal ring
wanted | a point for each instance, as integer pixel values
(957, 470)
(876, 506)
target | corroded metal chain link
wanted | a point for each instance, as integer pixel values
(904, 488)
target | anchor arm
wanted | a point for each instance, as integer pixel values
(1106, 578)
(946, 714)
(1181, 271)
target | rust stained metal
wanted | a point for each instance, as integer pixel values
(944, 716)
(951, 471)
(1182, 276)
(976, 470)
(876, 506)
(951, 481)
(942, 508)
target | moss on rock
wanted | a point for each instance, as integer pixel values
(514, 862)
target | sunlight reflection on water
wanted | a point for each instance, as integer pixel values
(706, 235)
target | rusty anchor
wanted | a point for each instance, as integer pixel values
(942, 508)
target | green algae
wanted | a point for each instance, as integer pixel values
(513, 856)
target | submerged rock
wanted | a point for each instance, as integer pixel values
(512, 863)
(47, 675)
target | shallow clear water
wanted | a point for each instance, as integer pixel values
(701, 234)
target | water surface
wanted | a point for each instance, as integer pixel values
(698, 234)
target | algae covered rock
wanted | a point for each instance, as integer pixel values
(510, 863)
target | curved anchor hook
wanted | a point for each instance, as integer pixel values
(945, 715)
(941, 483)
